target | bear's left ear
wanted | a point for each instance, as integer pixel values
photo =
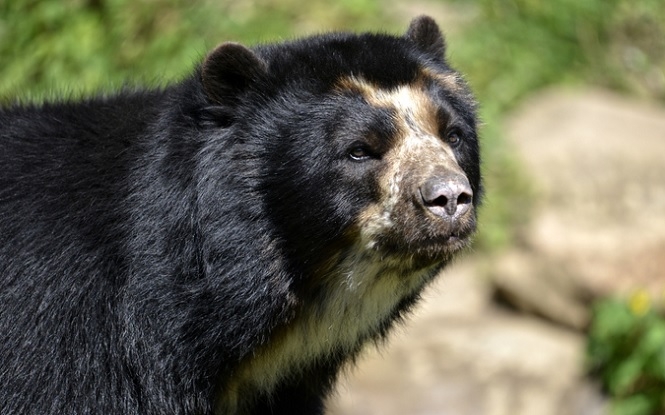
(229, 70)
(425, 33)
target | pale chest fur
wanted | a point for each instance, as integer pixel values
(359, 296)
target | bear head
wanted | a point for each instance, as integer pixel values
(367, 141)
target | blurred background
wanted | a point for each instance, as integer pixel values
(559, 307)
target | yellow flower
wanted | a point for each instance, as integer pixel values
(639, 303)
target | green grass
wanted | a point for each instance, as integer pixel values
(48, 47)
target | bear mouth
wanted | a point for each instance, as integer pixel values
(448, 236)
(425, 249)
(449, 243)
(454, 241)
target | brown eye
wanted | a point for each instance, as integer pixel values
(359, 153)
(453, 138)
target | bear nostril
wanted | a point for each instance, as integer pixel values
(448, 197)
(439, 201)
(464, 199)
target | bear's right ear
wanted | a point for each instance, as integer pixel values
(229, 70)
(425, 33)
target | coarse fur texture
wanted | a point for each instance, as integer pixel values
(226, 244)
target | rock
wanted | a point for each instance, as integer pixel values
(598, 162)
(459, 292)
(534, 285)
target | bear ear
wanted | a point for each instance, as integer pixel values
(228, 70)
(425, 33)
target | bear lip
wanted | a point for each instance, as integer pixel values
(433, 249)
(456, 238)
(452, 241)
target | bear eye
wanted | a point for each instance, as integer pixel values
(359, 153)
(453, 138)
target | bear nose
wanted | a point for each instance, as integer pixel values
(448, 197)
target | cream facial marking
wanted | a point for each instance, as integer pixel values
(451, 81)
(417, 152)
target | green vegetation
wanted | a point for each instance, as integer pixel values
(627, 352)
(83, 46)
(517, 46)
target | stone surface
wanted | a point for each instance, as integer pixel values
(537, 286)
(597, 160)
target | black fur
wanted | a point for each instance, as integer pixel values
(151, 241)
